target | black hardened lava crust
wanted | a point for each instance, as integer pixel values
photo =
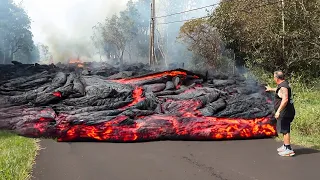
(133, 104)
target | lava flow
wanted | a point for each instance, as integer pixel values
(170, 105)
(77, 62)
(153, 76)
(185, 123)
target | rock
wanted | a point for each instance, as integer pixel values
(223, 82)
(121, 75)
(16, 62)
(176, 81)
(169, 85)
(85, 72)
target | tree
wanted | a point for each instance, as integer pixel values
(136, 30)
(119, 31)
(141, 18)
(97, 39)
(254, 30)
(44, 54)
(203, 40)
(16, 36)
(34, 55)
(31, 55)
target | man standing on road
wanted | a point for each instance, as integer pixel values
(285, 111)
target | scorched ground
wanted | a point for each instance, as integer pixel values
(101, 103)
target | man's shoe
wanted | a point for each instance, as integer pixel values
(282, 148)
(286, 152)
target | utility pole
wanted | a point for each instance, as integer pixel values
(152, 27)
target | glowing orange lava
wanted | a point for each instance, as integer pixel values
(153, 76)
(197, 128)
(75, 61)
(57, 94)
(137, 97)
(78, 62)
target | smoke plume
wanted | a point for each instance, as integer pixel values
(66, 26)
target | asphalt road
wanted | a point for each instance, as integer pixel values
(174, 160)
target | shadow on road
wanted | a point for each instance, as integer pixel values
(305, 151)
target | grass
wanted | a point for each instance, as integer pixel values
(17, 155)
(306, 125)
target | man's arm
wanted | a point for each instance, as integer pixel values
(268, 89)
(283, 93)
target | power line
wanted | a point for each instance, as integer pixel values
(188, 10)
(184, 20)
(245, 10)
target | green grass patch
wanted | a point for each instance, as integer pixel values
(306, 125)
(17, 155)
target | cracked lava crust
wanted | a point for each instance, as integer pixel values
(48, 101)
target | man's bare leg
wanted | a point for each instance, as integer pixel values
(286, 139)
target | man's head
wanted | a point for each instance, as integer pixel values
(278, 76)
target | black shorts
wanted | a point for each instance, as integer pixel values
(283, 124)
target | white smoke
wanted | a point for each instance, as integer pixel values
(66, 25)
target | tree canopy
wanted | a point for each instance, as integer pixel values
(16, 41)
(121, 33)
(267, 35)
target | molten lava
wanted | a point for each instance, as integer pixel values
(57, 94)
(137, 97)
(156, 75)
(170, 105)
(78, 62)
(157, 127)
(186, 123)
(75, 61)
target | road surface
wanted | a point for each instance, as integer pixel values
(174, 160)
